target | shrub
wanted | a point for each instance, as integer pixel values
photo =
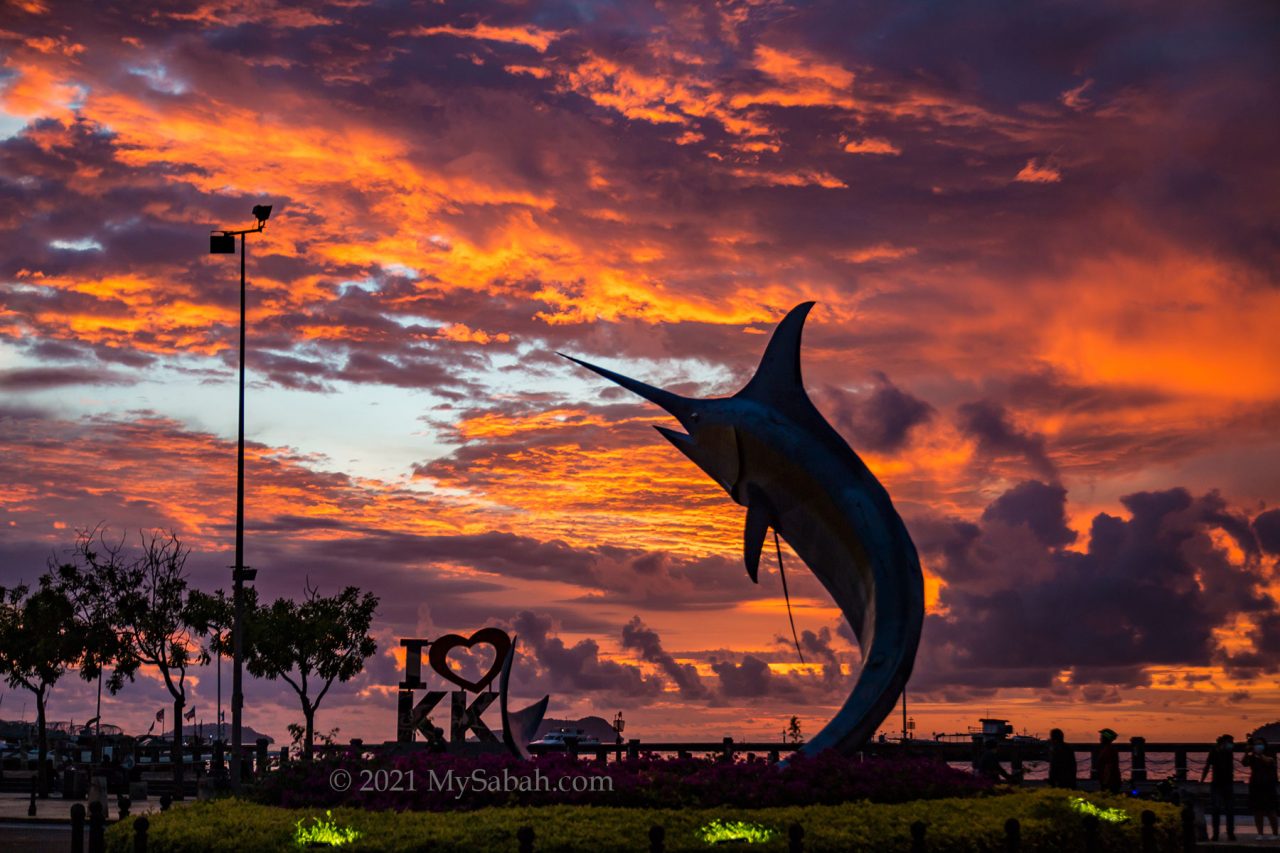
(1050, 822)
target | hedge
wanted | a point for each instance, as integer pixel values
(1049, 822)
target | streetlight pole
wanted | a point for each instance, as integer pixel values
(224, 243)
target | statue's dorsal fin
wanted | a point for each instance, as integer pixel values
(777, 380)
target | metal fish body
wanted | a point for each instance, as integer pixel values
(770, 448)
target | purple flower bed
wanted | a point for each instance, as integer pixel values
(497, 780)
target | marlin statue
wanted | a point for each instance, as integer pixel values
(770, 448)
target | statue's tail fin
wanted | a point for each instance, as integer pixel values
(518, 727)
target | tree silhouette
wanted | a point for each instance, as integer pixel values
(221, 620)
(794, 734)
(311, 645)
(157, 619)
(39, 640)
(100, 643)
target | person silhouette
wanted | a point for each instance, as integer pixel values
(1262, 782)
(1062, 761)
(1221, 761)
(1108, 762)
(989, 766)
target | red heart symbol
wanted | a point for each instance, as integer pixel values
(440, 649)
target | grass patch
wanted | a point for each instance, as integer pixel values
(1050, 822)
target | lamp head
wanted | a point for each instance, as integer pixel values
(262, 212)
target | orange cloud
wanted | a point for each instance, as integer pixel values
(531, 70)
(879, 252)
(36, 91)
(534, 37)
(804, 81)
(461, 332)
(232, 13)
(1148, 327)
(1074, 98)
(1038, 173)
(871, 145)
(48, 44)
(804, 178)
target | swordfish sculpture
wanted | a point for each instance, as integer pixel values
(770, 448)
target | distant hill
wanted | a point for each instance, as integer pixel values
(248, 736)
(597, 726)
(1271, 731)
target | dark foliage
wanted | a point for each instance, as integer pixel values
(648, 781)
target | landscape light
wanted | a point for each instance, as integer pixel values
(324, 833)
(1110, 815)
(735, 832)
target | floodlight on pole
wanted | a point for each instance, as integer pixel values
(224, 243)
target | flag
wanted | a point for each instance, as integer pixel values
(153, 726)
(160, 716)
(190, 715)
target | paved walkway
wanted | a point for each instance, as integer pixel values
(34, 837)
(13, 808)
(1242, 842)
(1247, 838)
